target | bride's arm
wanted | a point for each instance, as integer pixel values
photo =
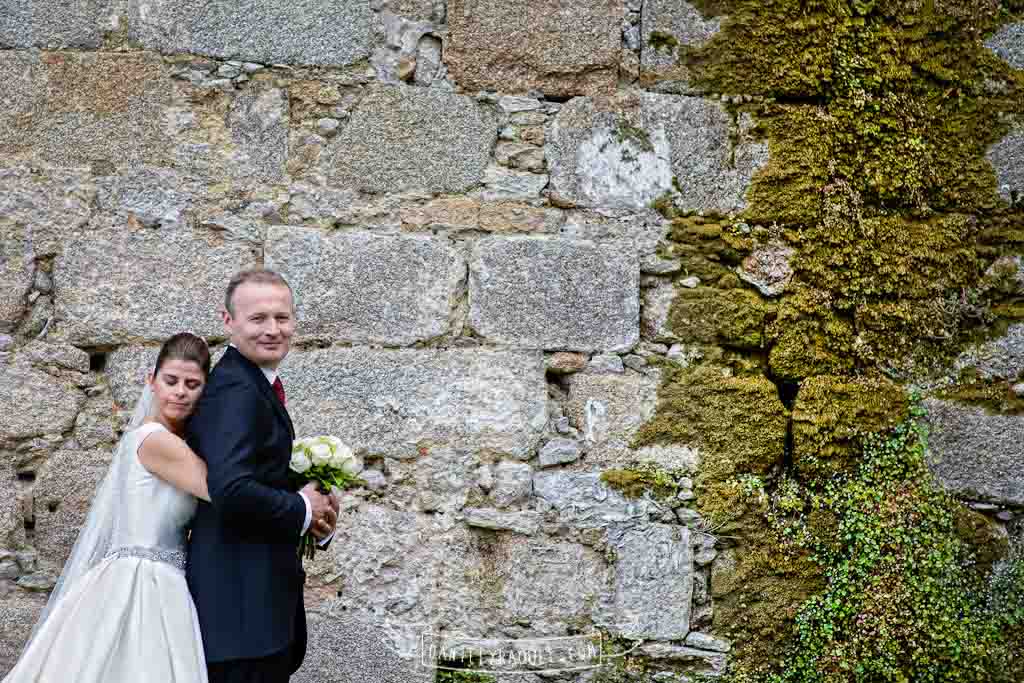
(169, 458)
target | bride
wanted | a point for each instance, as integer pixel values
(121, 610)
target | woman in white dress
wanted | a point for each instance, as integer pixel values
(121, 611)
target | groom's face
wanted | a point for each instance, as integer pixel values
(262, 323)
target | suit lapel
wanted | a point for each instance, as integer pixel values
(260, 380)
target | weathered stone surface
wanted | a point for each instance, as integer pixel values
(1008, 44)
(96, 424)
(35, 403)
(605, 363)
(63, 494)
(655, 265)
(585, 502)
(150, 195)
(514, 46)
(53, 24)
(712, 663)
(975, 455)
(395, 402)
(402, 138)
(1001, 358)
(339, 207)
(444, 213)
(12, 519)
(553, 294)
(439, 480)
(16, 275)
(513, 483)
(18, 614)
(407, 52)
(704, 641)
(624, 153)
(768, 268)
(58, 356)
(316, 32)
(362, 287)
(258, 121)
(117, 285)
(504, 184)
(653, 581)
(1007, 157)
(667, 26)
(657, 301)
(643, 230)
(126, 369)
(559, 452)
(565, 362)
(608, 410)
(383, 561)
(519, 217)
(38, 209)
(351, 648)
(524, 522)
(102, 109)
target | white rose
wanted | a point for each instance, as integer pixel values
(321, 453)
(352, 465)
(299, 462)
(341, 454)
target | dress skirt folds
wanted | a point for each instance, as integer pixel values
(128, 619)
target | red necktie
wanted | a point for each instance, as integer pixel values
(279, 390)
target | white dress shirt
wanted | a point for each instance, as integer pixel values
(271, 376)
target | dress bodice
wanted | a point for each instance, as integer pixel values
(154, 513)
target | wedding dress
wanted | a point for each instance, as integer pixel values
(123, 615)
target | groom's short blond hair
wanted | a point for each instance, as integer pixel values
(263, 276)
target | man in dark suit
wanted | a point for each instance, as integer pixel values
(244, 569)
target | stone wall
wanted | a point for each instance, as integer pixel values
(508, 226)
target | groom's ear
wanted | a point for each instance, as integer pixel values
(225, 316)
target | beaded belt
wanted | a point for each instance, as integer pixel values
(175, 558)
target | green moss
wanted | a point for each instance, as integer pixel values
(833, 414)
(627, 132)
(996, 397)
(738, 423)
(900, 103)
(660, 40)
(758, 596)
(901, 603)
(810, 337)
(633, 482)
(711, 315)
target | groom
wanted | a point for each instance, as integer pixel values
(244, 569)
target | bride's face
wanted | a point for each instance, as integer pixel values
(176, 388)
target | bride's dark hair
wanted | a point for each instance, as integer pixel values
(185, 346)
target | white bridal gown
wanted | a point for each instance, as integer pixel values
(130, 619)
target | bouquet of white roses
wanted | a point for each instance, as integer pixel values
(327, 461)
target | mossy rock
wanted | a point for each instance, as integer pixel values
(810, 337)
(730, 317)
(898, 99)
(757, 595)
(832, 415)
(861, 259)
(996, 397)
(988, 540)
(634, 482)
(738, 423)
(706, 248)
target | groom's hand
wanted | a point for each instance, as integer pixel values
(325, 514)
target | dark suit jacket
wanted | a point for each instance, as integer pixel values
(243, 568)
